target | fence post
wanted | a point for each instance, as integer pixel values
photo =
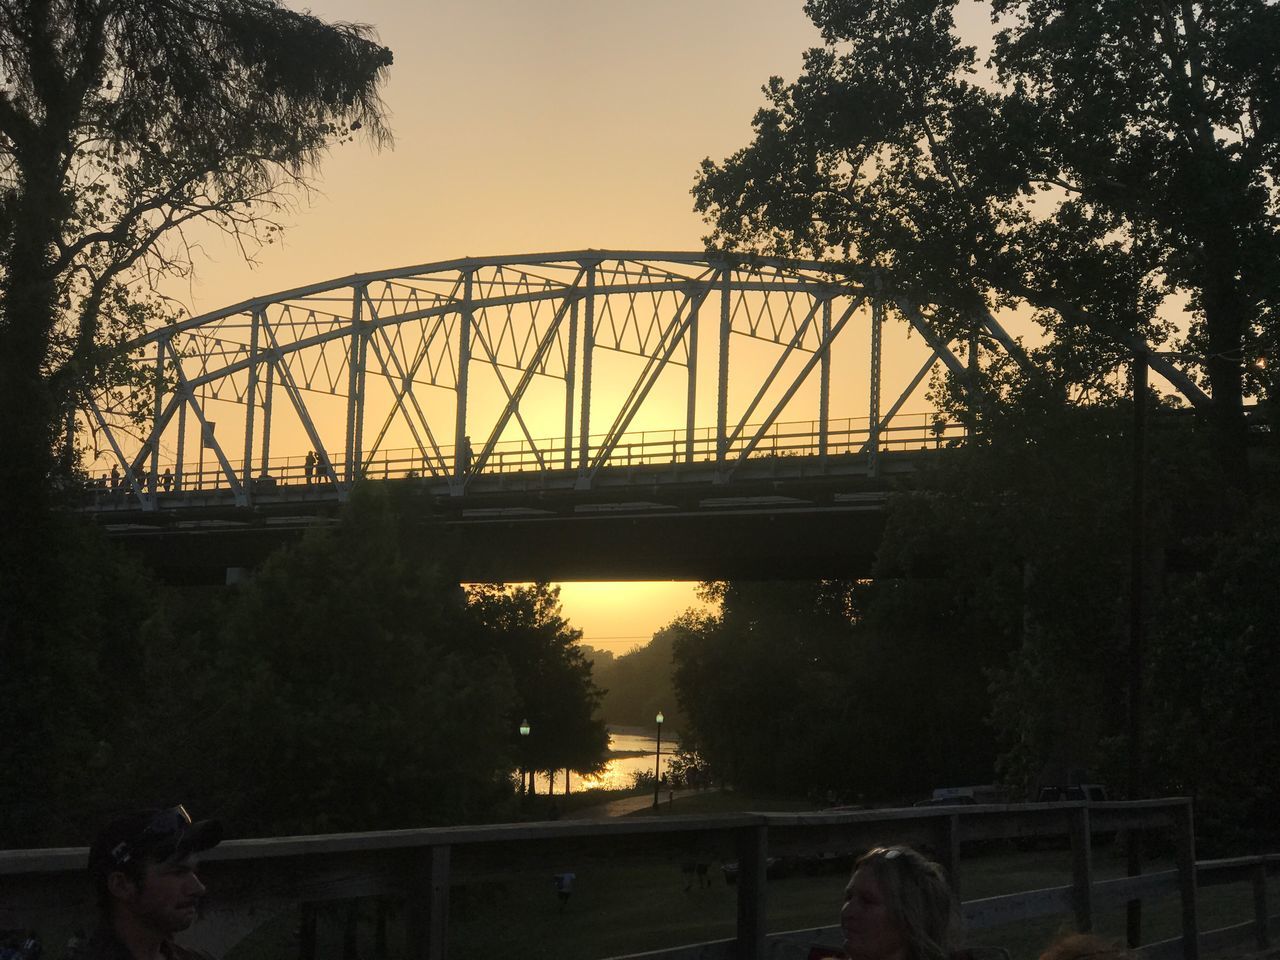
(307, 931)
(1260, 911)
(753, 858)
(1185, 857)
(1082, 868)
(427, 907)
(949, 850)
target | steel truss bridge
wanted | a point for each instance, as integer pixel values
(560, 397)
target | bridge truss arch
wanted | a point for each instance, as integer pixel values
(564, 364)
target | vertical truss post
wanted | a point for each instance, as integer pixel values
(722, 387)
(355, 388)
(824, 382)
(588, 348)
(361, 296)
(972, 367)
(873, 427)
(199, 446)
(464, 363)
(691, 404)
(570, 373)
(182, 441)
(156, 414)
(251, 401)
(266, 419)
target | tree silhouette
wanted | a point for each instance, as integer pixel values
(1111, 164)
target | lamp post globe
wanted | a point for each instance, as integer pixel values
(524, 732)
(657, 761)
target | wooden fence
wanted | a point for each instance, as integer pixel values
(252, 881)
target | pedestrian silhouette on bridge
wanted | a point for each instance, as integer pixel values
(166, 479)
(464, 457)
(309, 466)
(115, 477)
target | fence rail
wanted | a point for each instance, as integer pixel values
(253, 880)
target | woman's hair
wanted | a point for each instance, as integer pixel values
(1084, 946)
(917, 896)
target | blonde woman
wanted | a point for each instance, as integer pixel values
(898, 906)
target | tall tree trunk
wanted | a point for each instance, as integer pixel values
(30, 547)
(1224, 324)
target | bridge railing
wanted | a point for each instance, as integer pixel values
(253, 881)
(293, 476)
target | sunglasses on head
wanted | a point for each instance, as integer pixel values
(164, 830)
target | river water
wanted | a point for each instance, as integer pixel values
(617, 775)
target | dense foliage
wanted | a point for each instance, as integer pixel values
(346, 686)
(552, 679)
(1111, 165)
(992, 643)
(121, 123)
(835, 689)
(1110, 170)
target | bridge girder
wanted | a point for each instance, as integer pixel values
(430, 355)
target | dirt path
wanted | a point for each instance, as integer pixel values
(629, 805)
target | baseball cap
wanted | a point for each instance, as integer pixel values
(156, 835)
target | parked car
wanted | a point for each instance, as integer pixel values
(944, 801)
(1094, 792)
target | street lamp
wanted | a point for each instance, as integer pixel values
(524, 732)
(657, 761)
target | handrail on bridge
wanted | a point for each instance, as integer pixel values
(292, 475)
(254, 879)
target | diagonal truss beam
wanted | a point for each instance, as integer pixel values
(404, 388)
(433, 461)
(512, 408)
(299, 407)
(207, 438)
(882, 425)
(814, 359)
(672, 336)
(797, 338)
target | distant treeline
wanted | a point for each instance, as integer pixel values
(638, 683)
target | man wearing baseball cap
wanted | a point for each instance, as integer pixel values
(143, 867)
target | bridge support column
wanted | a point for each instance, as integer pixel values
(266, 419)
(157, 413)
(182, 444)
(588, 350)
(722, 391)
(570, 374)
(691, 402)
(824, 384)
(250, 403)
(464, 362)
(355, 390)
(873, 438)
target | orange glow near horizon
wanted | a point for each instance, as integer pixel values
(621, 616)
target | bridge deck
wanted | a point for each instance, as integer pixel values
(646, 521)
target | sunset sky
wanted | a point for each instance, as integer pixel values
(524, 127)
